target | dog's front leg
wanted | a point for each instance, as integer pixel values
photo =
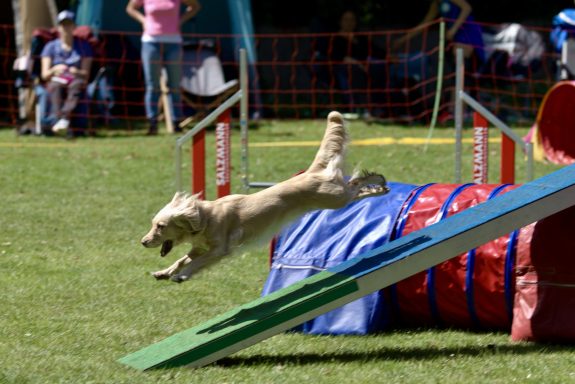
(199, 261)
(173, 269)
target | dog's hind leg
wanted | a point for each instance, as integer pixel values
(368, 184)
(333, 145)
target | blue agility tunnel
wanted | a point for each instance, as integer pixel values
(325, 239)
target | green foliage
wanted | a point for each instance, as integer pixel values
(76, 295)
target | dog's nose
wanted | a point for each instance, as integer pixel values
(145, 242)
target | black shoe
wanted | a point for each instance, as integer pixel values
(152, 129)
(177, 128)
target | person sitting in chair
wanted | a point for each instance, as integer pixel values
(66, 63)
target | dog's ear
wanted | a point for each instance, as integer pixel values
(191, 216)
(178, 197)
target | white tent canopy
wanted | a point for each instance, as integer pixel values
(29, 15)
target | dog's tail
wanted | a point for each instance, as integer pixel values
(333, 145)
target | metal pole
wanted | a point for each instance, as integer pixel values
(474, 104)
(459, 72)
(209, 118)
(244, 120)
(178, 168)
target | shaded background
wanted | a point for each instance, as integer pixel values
(302, 14)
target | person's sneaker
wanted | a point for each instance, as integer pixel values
(61, 125)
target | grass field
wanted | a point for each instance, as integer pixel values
(76, 294)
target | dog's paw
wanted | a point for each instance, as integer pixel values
(335, 117)
(160, 275)
(179, 278)
(368, 184)
(372, 190)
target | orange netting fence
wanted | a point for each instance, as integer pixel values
(306, 75)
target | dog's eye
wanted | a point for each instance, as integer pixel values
(161, 225)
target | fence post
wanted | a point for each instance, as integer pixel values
(223, 154)
(480, 149)
(507, 159)
(199, 163)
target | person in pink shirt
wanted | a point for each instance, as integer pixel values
(162, 48)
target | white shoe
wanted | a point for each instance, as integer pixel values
(61, 125)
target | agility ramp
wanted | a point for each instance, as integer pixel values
(373, 270)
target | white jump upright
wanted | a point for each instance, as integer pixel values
(197, 136)
(509, 138)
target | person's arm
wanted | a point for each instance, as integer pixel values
(46, 73)
(133, 10)
(465, 11)
(192, 9)
(431, 14)
(84, 70)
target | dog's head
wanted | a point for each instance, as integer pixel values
(179, 221)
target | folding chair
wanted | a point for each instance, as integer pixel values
(203, 83)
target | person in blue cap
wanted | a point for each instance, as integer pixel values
(66, 63)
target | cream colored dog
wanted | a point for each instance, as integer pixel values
(214, 228)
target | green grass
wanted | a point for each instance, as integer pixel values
(75, 293)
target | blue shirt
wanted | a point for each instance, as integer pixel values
(469, 33)
(72, 58)
(563, 28)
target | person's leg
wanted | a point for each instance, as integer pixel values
(45, 119)
(378, 86)
(172, 58)
(359, 90)
(342, 72)
(74, 91)
(54, 91)
(151, 62)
